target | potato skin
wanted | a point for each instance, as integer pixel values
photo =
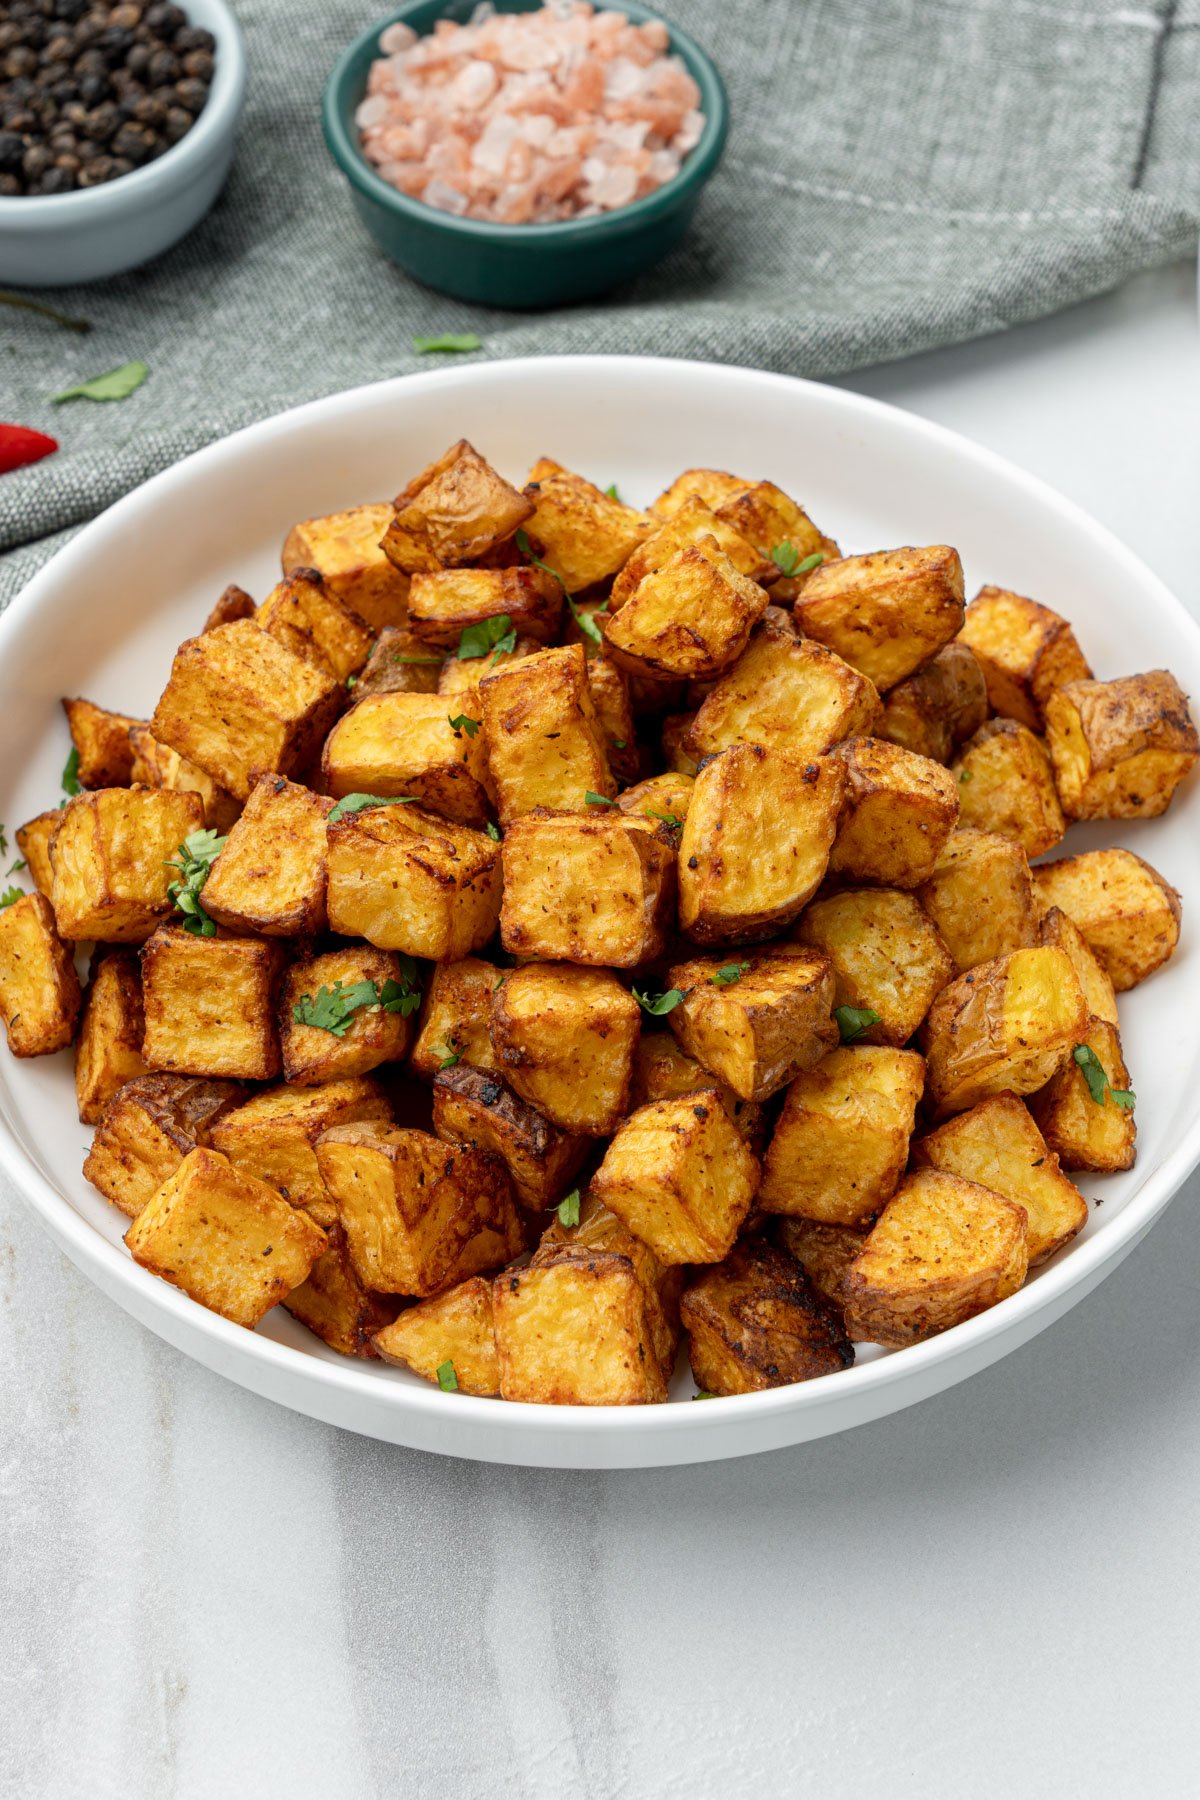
(232, 604)
(40, 999)
(454, 512)
(897, 814)
(473, 1106)
(939, 707)
(754, 1321)
(147, 1128)
(886, 612)
(1006, 785)
(1120, 748)
(1128, 913)
(824, 1252)
(444, 603)
(1025, 651)
(1005, 1025)
(757, 1033)
(109, 1051)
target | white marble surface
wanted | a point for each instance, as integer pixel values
(994, 1594)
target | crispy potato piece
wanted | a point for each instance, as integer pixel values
(110, 855)
(662, 1284)
(938, 708)
(679, 1175)
(406, 744)
(102, 740)
(1007, 1024)
(273, 1136)
(463, 675)
(302, 613)
(755, 1321)
(233, 603)
(156, 765)
(33, 841)
(885, 613)
(663, 797)
(1054, 927)
(146, 1130)
(456, 1017)
(677, 757)
(788, 694)
(899, 811)
(39, 989)
(613, 701)
(456, 1328)
(1006, 784)
(399, 664)
(691, 617)
(663, 1070)
(231, 1243)
(824, 1252)
(980, 897)
(1128, 913)
(756, 1033)
(1120, 748)
(693, 522)
(473, 1106)
(270, 877)
(239, 704)
(564, 1038)
(769, 518)
(756, 841)
(335, 1305)
(841, 1142)
(544, 742)
(210, 1004)
(109, 1051)
(1082, 1132)
(588, 890)
(1025, 651)
(454, 512)
(712, 486)
(344, 548)
(886, 954)
(445, 602)
(312, 1055)
(580, 532)
(944, 1250)
(405, 879)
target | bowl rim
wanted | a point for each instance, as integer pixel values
(698, 166)
(127, 192)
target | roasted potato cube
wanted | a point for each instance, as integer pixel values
(1055, 927)
(613, 703)
(760, 1029)
(756, 841)
(1025, 651)
(1125, 909)
(233, 603)
(156, 765)
(335, 1305)
(755, 1321)
(405, 879)
(313, 1055)
(111, 853)
(679, 1175)
(270, 877)
(33, 841)
(109, 1051)
(587, 890)
(39, 989)
(545, 744)
(344, 547)
(662, 1283)
(824, 1252)
(455, 1328)
(564, 1038)
(273, 1136)
(712, 486)
(393, 744)
(210, 1004)
(580, 532)
(102, 742)
(999, 1146)
(146, 1130)
(307, 617)
(662, 797)
(886, 954)
(456, 511)
(944, 1250)
(444, 603)
(230, 1242)
(899, 811)
(841, 1143)
(692, 617)
(675, 734)
(456, 1017)
(788, 694)
(938, 708)
(1120, 748)
(1008, 1025)
(1082, 1131)
(399, 664)
(240, 704)
(980, 897)
(472, 1106)
(885, 613)
(1006, 785)
(693, 522)
(663, 1070)
(769, 518)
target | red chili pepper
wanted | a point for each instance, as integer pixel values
(21, 445)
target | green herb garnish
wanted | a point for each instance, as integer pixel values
(658, 1004)
(10, 896)
(1098, 1084)
(498, 635)
(334, 1008)
(355, 803)
(446, 1378)
(352, 681)
(667, 818)
(14, 868)
(70, 775)
(787, 559)
(117, 384)
(450, 343)
(448, 1054)
(568, 1209)
(611, 492)
(492, 831)
(462, 723)
(853, 1021)
(731, 972)
(703, 1394)
(585, 621)
(597, 799)
(3, 841)
(965, 775)
(434, 662)
(197, 854)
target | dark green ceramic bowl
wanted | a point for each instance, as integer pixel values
(517, 265)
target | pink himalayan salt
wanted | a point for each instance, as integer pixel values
(527, 118)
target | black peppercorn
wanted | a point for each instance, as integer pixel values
(179, 123)
(93, 89)
(57, 181)
(101, 122)
(192, 95)
(199, 64)
(10, 186)
(36, 160)
(12, 149)
(133, 142)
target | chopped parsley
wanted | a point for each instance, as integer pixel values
(352, 681)
(597, 799)
(3, 841)
(449, 1055)
(461, 723)
(10, 896)
(611, 493)
(668, 818)
(965, 775)
(447, 1380)
(14, 868)
(703, 1394)
(658, 1004)
(788, 561)
(334, 1008)
(1098, 1084)
(433, 662)
(492, 831)
(197, 855)
(356, 803)
(450, 343)
(499, 635)
(114, 384)
(567, 1209)
(731, 972)
(853, 1021)
(70, 775)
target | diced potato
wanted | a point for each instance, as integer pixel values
(335, 1305)
(564, 1038)
(758, 1031)
(270, 877)
(111, 855)
(679, 1175)
(233, 603)
(1005, 1025)
(692, 617)
(39, 989)
(156, 765)
(788, 694)
(756, 841)
(938, 708)
(885, 613)
(694, 521)
(312, 1055)
(663, 1070)
(769, 518)
(613, 701)
(886, 954)
(1085, 1133)
(663, 797)
(824, 1252)
(399, 664)
(545, 744)
(899, 811)
(1025, 651)
(1120, 748)
(588, 890)
(841, 1142)
(109, 1051)
(445, 602)
(712, 486)
(944, 1250)
(456, 1017)
(455, 1328)
(755, 1321)
(454, 512)
(230, 1242)
(473, 1106)
(405, 879)
(146, 1130)
(676, 755)
(980, 897)
(307, 617)
(1006, 784)
(273, 1136)
(582, 534)
(1055, 927)
(102, 740)
(345, 548)
(662, 1283)
(1126, 910)
(998, 1145)
(210, 1004)
(240, 704)
(33, 841)
(393, 744)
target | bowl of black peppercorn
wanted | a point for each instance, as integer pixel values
(117, 128)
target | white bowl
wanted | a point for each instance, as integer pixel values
(57, 240)
(104, 617)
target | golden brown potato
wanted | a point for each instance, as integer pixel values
(587, 890)
(886, 954)
(1128, 913)
(270, 877)
(756, 841)
(1120, 748)
(111, 853)
(405, 879)
(1054, 927)
(939, 707)
(454, 1328)
(755, 1321)
(109, 1051)
(461, 676)
(663, 1070)
(544, 741)
(146, 1130)
(662, 1284)
(444, 603)
(999, 1146)
(335, 1305)
(344, 547)
(788, 694)
(944, 1250)
(770, 519)
(690, 524)
(39, 989)
(399, 664)
(1007, 1024)
(393, 744)
(273, 1136)
(613, 701)
(663, 797)
(1006, 785)
(210, 1004)
(102, 742)
(980, 897)
(885, 613)
(824, 1252)
(230, 1242)
(233, 603)
(373, 1035)
(454, 512)
(841, 1142)
(473, 1106)
(899, 811)
(156, 765)
(679, 1175)
(456, 1017)
(676, 755)
(1083, 1130)
(583, 534)
(307, 617)
(756, 1022)
(564, 1039)
(691, 618)
(33, 841)
(1025, 651)
(712, 486)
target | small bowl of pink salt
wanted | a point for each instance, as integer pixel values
(525, 153)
